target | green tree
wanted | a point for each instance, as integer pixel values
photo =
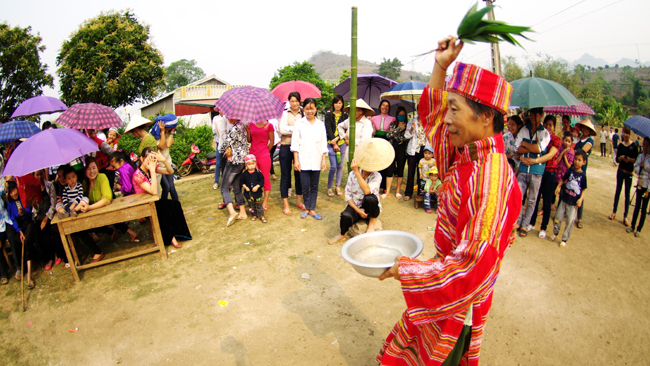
(614, 114)
(110, 60)
(22, 75)
(547, 67)
(511, 70)
(345, 74)
(391, 69)
(182, 72)
(305, 71)
(643, 107)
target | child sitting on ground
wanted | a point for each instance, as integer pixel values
(426, 163)
(431, 189)
(572, 187)
(252, 181)
(72, 199)
(123, 173)
(113, 138)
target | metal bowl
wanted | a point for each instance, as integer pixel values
(373, 253)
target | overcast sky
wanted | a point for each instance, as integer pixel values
(245, 42)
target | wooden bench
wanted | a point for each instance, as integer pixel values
(120, 210)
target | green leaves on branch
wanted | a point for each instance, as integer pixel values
(473, 28)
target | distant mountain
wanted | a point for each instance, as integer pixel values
(589, 60)
(330, 65)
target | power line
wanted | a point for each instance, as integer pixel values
(583, 15)
(560, 12)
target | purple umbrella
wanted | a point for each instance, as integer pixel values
(369, 88)
(38, 105)
(581, 109)
(250, 104)
(93, 116)
(48, 148)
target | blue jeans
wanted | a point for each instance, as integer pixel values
(430, 201)
(217, 168)
(531, 183)
(309, 180)
(168, 187)
(568, 212)
(335, 168)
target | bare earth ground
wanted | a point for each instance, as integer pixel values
(585, 304)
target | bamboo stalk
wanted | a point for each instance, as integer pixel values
(353, 88)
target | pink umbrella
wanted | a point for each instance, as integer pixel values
(48, 148)
(93, 116)
(581, 109)
(306, 90)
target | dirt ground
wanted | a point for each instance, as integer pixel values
(583, 304)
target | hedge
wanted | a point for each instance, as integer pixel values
(201, 136)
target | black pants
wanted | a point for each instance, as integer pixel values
(396, 169)
(547, 192)
(349, 216)
(27, 227)
(642, 205)
(4, 267)
(286, 167)
(16, 246)
(620, 178)
(168, 187)
(272, 152)
(603, 149)
(413, 175)
(44, 239)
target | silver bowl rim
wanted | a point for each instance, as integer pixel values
(418, 243)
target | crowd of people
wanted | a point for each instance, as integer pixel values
(86, 184)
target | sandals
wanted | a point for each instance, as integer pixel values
(254, 218)
(31, 284)
(406, 198)
(222, 206)
(317, 216)
(304, 214)
(626, 222)
(287, 212)
(4, 281)
(264, 220)
(231, 220)
(579, 224)
(542, 234)
(339, 192)
(637, 234)
(215, 186)
(273, 177)
(135, 240)
(629, 230)
(330, 192)
(302, 207)
(523, 233)
(398, 195)
(18, 275)
(48, 267)
(612, 217)
(95, 260)
(265, 208)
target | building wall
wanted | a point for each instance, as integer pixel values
(166, 104)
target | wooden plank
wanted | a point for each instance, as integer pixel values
(119, 258)
(66, 247)
(82, 223)
(117, 204)
(73, 249)
(157, 235)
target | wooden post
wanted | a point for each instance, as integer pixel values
(353, 88)
(496, 54)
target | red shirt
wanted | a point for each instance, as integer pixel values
(551, 165)
(102, 159)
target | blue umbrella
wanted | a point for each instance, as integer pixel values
(407, 90)
(369, 88)
(16, 130)
(639, 124)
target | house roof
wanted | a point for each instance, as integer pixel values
(195, 83)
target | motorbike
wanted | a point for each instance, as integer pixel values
(206, 166)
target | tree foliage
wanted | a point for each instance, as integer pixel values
(22, 75)
(109, 60)
(305, 71)
(391, 69)
(182, 72)
(345, 74)
(511, 70)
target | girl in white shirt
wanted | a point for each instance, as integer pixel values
(309, 147)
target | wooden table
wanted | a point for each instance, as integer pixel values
(120, 210)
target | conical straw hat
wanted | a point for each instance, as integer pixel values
(361, 104)
(586, 122)
(374, 155)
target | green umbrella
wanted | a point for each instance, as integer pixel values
(536, 92)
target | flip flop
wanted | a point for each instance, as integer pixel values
(31, 284)
(523, 233)
(406, 198)
(4, 281)
(637, 234)
(265, 208)
(317, 216)
(263, 219)
(287, 212)
(612, 216)
(579, 224)
(302, 207)
(398, 195)
(304, 214)
(95, 260)
(222, 206)
(135, 240)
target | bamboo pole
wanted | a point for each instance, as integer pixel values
(353, 88)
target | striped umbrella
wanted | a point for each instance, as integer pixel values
(89, 116)
(16, 130)
(250, 104)
(581, 109)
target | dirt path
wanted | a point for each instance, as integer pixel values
(584, 304)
